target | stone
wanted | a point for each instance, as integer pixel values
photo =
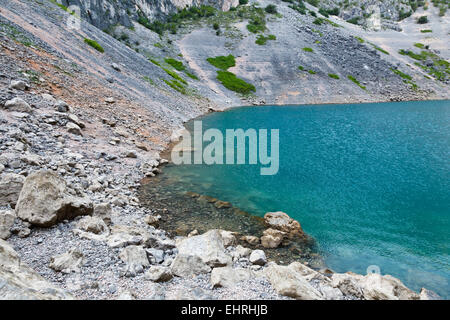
(155, 255)
(288, 282)
(7, 218)
(68, 262)
(135, 259)
(73, 128)
(250, 240)
(18, 105)
(103, 211)
(48, 98)
(62, 106)
(131, 154)
(18, 85)
(158, 274)
(152, 220)
(197, 254)
(20, 282)
(378, 287)
(45, 200)
(258, 257)
(115, 66)
(74, 118)
(92, 228)
(242, 251)
(281, 221)
(228, 238)
(10, 186)
(272, 238)
(222, 204)
(230, 277)
(110, 100)
(426, 294)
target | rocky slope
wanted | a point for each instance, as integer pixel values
(81, 127)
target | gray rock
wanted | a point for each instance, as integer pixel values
(45, 200)
(230, 277)
(426, 294)
(19, 282)
(258, 257)
(159, 274)
(68, 262)
(18, 85)
(73, 128)
(19, 105)
(136, 260)
(103, 211)
(155, 254)
(6, 222)
(10, 186)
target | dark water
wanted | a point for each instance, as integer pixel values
(370, 182)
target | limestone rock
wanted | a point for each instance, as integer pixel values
(258, 257)
(250, 240)
(198, 254)
(272, 238)
(288, 282)
(17, 104)
(18, 85)
(136, 260)
(73, 128)
(6, 222)
(281, 221)
(45, 200)
(159, 274)
(19, 282)
(229, 277)
(152, 220)
(228, 238)
(378, 287)
(10, 186)
(103, 211)
(92, 228)
(70, 261)
(429, 295)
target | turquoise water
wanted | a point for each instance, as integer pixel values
(370, 182)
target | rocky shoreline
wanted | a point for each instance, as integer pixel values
(76, 141)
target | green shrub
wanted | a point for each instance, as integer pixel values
(301, 68)
(192, 76)
(223, 62)
(262, 40)
(401, 74)
(334, 76)
(353, 20)
(174, 75)
(174, 84)
(177, 65)
(311, 72)
(361, 40)
(307, 49)
(233, 83)
(422, 20)
(426, 31)
(243, 2)
(94, 44)
(271, 8)
(216, 26)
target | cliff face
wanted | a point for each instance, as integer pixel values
(106, 13)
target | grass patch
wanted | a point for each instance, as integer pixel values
(94, 44)
(191, 75)
(353, 79)
(401, 74)
(233, 83)
(301, 68)
(361, 40)
(378, 48)
(174, 75)
(307, 49)
(149, 80)
(222, 62)
(419, 45)
(174, 84)
(154, 62)
(426, 31)
(334, 76)
(262, 40)
(177, 65)
(311, 72)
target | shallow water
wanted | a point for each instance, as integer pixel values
(370, 182)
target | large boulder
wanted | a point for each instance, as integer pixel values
(281, 221)
(229, 277)
(18, 104)
(45, 200)
(10, 186)
(272, 238)
(19, 282)
(197, 254)
(287, 281)
(7, 218)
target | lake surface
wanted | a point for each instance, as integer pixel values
(370, 182)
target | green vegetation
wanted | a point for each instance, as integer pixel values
(174, 84)
(149, 80)
(257, 20)
(401, 74)
(361, 40)
(222, 62)
(353, 20)
(422, 20)
(154, 62)
(334, 76)
(94, 44)
(262, 40)
(271, 8)
(311, 72)
(192, 76)
(353, 79)
(419, 45)
(16, 35)
(301, 68)
(177, 65)
(378, 48)
(62, 7)
(233, 83)
(307, 49)
(174, 75)
(426, 31)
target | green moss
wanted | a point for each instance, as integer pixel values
(233, 83)
(223, 62)
(353, 79)
(334, 76)
(94, 44)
